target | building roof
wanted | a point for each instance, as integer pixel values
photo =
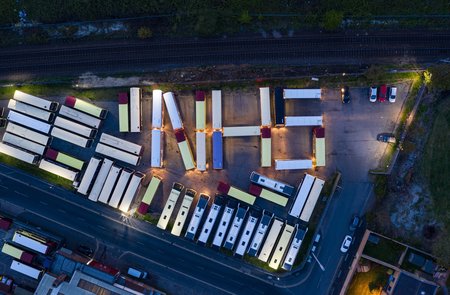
(410, 285)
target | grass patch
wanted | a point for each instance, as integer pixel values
(381, 186)
(150, 219)
(436, 162)
(63, 89)
(386, 250)
(258, 263)
(35, 171)
(369, 283)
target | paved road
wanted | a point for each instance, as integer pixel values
(128, 55)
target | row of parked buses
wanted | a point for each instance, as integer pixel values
(233, 224)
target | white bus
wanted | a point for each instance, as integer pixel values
(201, 150)
(30, 110)
(120, 187)
(18, 153)
(223, 225)
(292, 253)
(281, 248)
(131, 191)
(35, 101)
(264, 98)
(88, 176)
(210, 220)
(27, 133)
(170, 205)
(217, 109)
(235, 227)
(29, 122)
(108, 186)
(71, 137)
(100, 180)
(271, 239)
(81, 117)
(183, 212)
(293, 164)
(23, 143)
(58, 170)
(26, 269)
(157, 109)
(157, 151)
(272, 184)
(31, 241)
(121, 144)
(260, 234)
(313, 197)
(135, 109)
(302, 195)
(172, 109)
(200, 111)
(302, 93)
(197, 216)
(117, 154)
(75, 127)
(241, 131)
(291, 121)
(247, 233)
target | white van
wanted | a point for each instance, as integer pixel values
(139, 274)
(392, 94)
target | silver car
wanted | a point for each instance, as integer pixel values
(373, 94)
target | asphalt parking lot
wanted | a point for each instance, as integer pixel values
(351, 131)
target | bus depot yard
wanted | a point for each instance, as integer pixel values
(177, 164)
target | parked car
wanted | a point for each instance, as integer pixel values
(85, 250)
(346, 244)
(355, 223)
(373, 94)
(386, 137)
(392, 93)
(382, 93)
(345, 94)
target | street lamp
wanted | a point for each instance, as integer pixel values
(318, 262)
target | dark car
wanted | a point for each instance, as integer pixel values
(85, 250)
(345, 94)
(386, 137)
(355, 223)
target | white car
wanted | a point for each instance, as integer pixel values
(346, 243)
(373, 94)
(392, 94)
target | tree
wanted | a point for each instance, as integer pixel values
(245, 18)
(206, 23)
(144, 33)
(332, 20)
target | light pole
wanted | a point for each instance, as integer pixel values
(318, 262)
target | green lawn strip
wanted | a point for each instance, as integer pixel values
(386, 250)
(436, 162)
(34, 170)
(258, 263)
(362, 282)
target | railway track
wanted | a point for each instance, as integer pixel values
(135, 55)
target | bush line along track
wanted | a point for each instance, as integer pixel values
(302, 49)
